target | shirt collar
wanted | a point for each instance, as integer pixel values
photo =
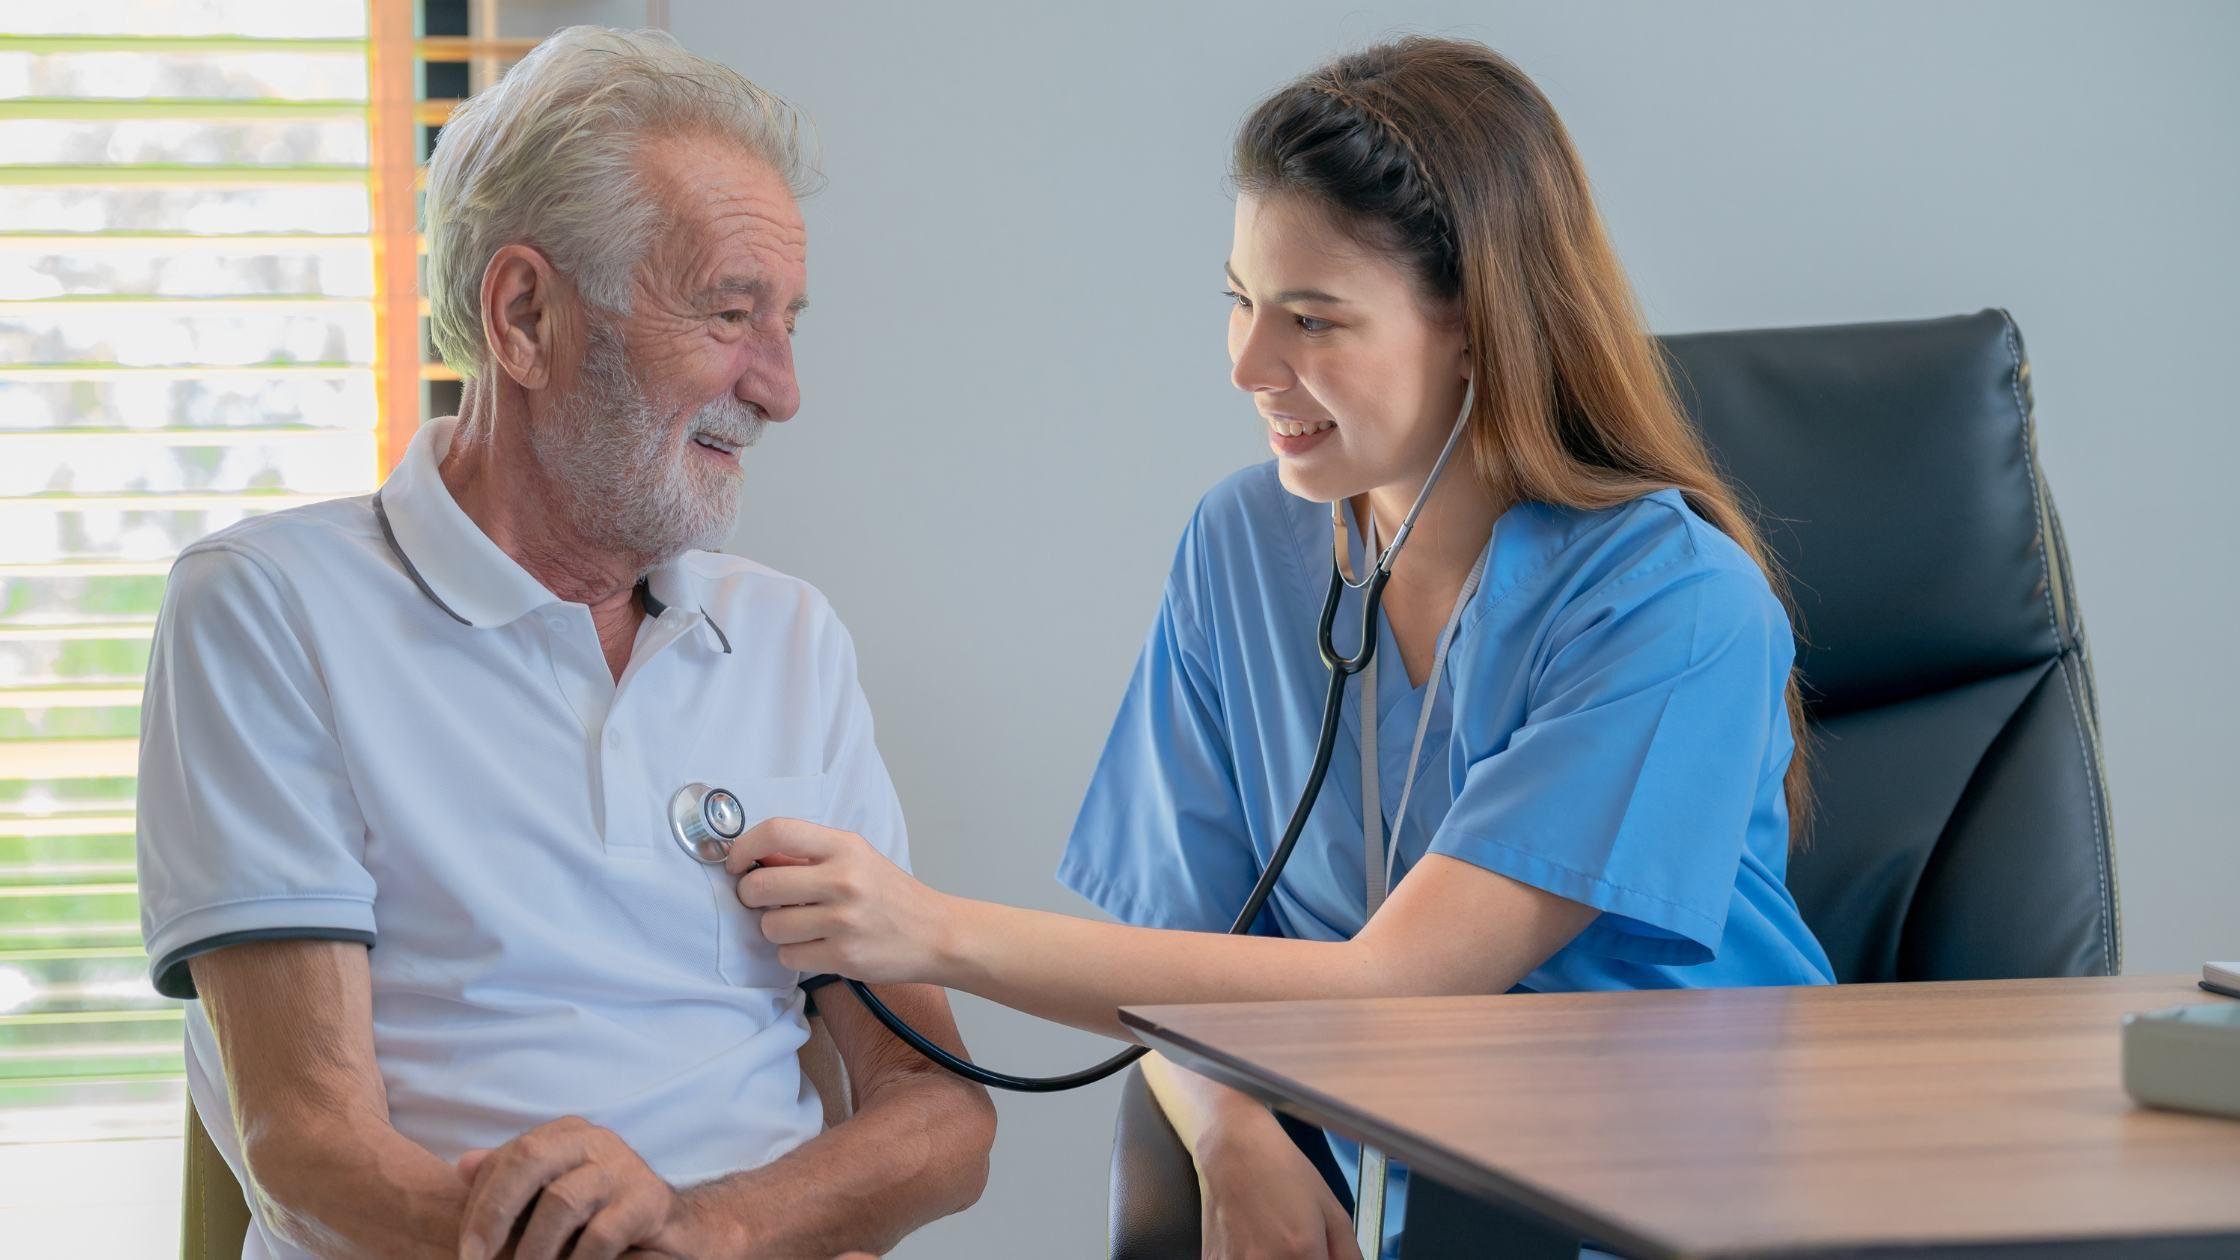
(470, 577)
(675, 583)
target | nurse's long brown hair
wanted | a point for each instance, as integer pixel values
(1441, 153)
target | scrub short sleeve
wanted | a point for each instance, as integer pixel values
(1631, 784)
(248, 828)
(1162, 839)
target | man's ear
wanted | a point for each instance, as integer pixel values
(522, 297)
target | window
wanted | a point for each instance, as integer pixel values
(187, 338)
(208, 310)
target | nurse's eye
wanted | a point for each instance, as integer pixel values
(1308, 323)
(1243, 302)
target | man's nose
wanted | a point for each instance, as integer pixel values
(769, 384)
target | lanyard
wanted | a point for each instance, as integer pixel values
(1378, 859)
(1378, 862)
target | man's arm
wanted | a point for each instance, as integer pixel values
(915, 1150)
(294, 1022)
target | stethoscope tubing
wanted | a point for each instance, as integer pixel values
(1342, 667)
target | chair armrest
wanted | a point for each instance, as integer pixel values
(1154, 1182)
(822, 1065)
(214, 1217)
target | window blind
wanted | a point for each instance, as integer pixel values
(188, 337)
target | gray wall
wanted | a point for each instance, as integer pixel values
(1016, 389)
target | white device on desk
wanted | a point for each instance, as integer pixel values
(2221, 978)
(2188, 1057)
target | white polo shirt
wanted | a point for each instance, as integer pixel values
(365, 722)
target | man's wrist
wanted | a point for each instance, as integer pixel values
(701, 1227)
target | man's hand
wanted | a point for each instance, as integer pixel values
(832, 903)
(594, 1198)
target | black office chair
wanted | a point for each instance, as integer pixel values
(1962, 828)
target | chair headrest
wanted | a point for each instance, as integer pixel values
(1893, 469)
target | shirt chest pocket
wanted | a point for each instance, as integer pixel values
(743, 956)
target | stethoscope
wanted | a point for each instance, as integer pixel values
(705, 820)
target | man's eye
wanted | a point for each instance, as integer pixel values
(736, 317)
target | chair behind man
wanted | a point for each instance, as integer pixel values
(1962, 827)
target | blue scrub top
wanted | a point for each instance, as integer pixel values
(1610, 727)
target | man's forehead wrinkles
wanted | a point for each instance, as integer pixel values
(744, 255)
(753, 274)
(734, 239)
(758, 229)
(726, 201)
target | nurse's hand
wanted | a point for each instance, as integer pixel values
(1259, 1198)
(832, 903)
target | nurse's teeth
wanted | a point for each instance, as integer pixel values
(1300, 428)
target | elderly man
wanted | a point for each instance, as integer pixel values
(445, 722)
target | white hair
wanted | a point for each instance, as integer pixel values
(548, 156)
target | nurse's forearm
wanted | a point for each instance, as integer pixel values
(1198, 1107)
(1450, 927)
(1080, 972)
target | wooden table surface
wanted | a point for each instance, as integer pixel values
(1750, 1122)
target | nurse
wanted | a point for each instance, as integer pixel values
(1575, 764)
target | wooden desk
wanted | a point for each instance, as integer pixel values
(1855, 1120)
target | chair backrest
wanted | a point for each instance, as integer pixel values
(1962, 828)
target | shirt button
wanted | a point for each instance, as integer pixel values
(614, 739)
(557, 623)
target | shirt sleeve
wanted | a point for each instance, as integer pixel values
(1631, 784)
(1162, 838)
(248, 828)
(860, 793)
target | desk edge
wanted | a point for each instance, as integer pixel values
(1449, 1167)
(1464, 1174)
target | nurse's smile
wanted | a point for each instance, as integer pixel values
(1291, 436)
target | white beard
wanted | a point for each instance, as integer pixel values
(628, 481)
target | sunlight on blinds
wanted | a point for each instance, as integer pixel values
(186, 339)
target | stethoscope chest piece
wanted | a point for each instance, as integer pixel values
(704, 821)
